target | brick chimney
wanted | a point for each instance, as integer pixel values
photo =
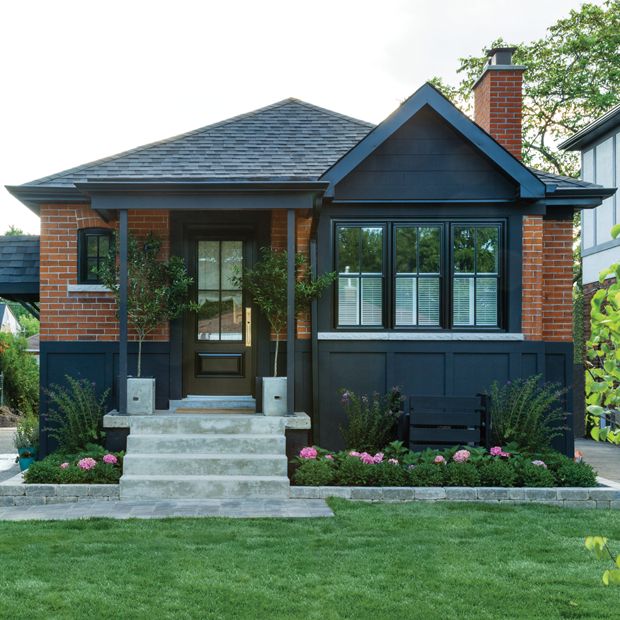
(499, 99)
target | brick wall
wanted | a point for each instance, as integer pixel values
(532, 278)
(303, 226)
(82, 316)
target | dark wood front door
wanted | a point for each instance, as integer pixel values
(217, 341)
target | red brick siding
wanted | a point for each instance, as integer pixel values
(82, 316)
(532, 278)
(498, 107)
(303, 227)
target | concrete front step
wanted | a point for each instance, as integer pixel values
(205, 465)
(202, 487)
(206, 443)
(246, 403)
(207, 423)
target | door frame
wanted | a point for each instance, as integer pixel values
(254, 225)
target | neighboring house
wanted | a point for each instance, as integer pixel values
(599, 144)
(33, 346)
(454, 259)
(8, 322)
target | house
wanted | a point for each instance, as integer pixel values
(599, 145)
(8, 322)
(454, 260)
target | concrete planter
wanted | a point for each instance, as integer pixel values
(141, 396)
(274, 395)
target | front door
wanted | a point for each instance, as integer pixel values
(217, 340)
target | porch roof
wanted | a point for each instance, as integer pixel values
(19, 268)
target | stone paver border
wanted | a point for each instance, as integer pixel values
(38, 494)
(570, 497)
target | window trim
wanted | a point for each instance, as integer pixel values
(447, 225)
(82, 248)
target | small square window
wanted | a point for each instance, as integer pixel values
(93, 248)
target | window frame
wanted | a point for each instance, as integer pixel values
(82, 252)
(446, 275)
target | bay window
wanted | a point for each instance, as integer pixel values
(419, 275)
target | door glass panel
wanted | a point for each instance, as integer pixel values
(209, 315)
(232, 257)
(232, 316)
(208, 265)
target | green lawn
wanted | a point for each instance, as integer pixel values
(371, 561)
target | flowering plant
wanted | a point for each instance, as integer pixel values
(539, 463)
(460, 456)
(110, 459)
(440, 460)
(497, 451)
(87, 463)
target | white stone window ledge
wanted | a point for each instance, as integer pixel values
(455, 336)
(87, 288)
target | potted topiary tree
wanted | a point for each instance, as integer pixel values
(266, 284)
(158, 291)
(26, 440)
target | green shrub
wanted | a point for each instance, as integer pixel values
(462, 475)
(388, 475)
(27, 432)
(526, 413)
(536, 476)
(571, 474)
(427, 475)
(50, 470)
(351, 472)
(21, 375)
(371, 422)
(76, 414)
(314, 473)
(497, 473)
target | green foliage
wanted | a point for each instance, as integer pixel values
(266, 284)
(314, 473)
(462, 475)
(351, 472)
(27, 432)
(598, 545)
(387, 474)
(427, 475)
(76, 415)
(371, 421)
(536, 476)
(49, 470)
(571, 474)
(158, 290)
(30, 325)
(571, 79)
(526, 413)
(14, 231)
(21, 375)
(497, 473)
(603, 350)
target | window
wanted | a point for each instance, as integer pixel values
(93, 247)
(442, 275)
(360, 275)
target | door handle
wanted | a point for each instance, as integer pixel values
(248, 327)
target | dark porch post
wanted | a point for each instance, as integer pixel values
(122, 314)
(290, 326)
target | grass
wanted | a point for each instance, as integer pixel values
(371, 561)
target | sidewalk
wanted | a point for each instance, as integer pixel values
(604, 457)
(8, 467)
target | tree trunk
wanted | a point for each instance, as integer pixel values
(275, 359)
(140, 338)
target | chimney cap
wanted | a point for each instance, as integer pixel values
(501, 55)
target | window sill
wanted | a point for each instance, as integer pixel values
(455, 336)
(87, 288)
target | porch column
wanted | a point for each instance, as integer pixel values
(290, 325)
(122, 313)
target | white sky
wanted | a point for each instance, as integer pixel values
(83, 80)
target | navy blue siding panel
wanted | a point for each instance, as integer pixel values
(420, 372)
(471, 371)
(425, 159)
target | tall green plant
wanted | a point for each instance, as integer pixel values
(158, 290)
(266, 284)
(27, 432)
(21, 375)
(76, 414)
(603, 350)
(526, 413)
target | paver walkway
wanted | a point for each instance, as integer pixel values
(604, 457)
(234, 508)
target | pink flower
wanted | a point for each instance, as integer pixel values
(308, 453)
(495, 451)
(64, 465)
(393, 461)
(110, 459)
(539, 463)
(87, 463)
(367, 458)
(378, 457)
(460, 456)
(439, 459)
(329, 457)
(504, 455)
(354, 453)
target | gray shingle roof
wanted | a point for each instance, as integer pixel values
(289, 140)
(562, 182)
(19, 261)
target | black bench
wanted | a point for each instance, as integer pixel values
(444, 421)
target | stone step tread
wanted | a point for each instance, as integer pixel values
(246, 436)
(227, 456)
(202, 478)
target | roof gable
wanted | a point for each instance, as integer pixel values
(528, 184)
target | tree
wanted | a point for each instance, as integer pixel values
(29, 325)
(266, 284)
(572, 78)
(13, 231)
(158, 290)
(21, 375)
